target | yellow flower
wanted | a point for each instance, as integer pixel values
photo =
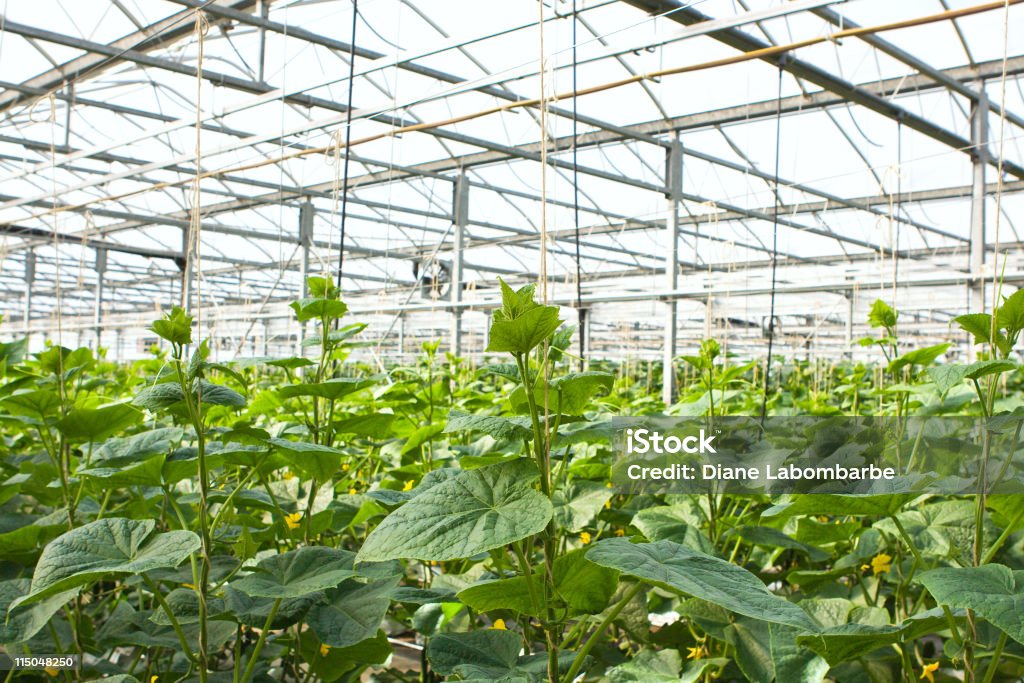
(695, 652)
(609, 485)
(881, 563)
(585, 537)
(928, 672)
(53, 671)
(352, 492)
(324, 649)
(822, 518)
(408, 486)
(288, 474)
(292, 520)
(344, 467)
(153, 679)
(620, 532)
(607, 505)
(499, 625)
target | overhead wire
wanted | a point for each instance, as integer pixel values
(348, 142)
(775, 248)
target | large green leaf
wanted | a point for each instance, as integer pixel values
(499, 427)
(575, 390)
(993, 591)
(297, 573)
(947, 376)
(981, 368)
(20, 624)
(107, 546)
(95, 424)
(315, 460)
(580, 584)
(491, 656)
(331, 389)
(1010, 314)
(159, 396)
(681, 569)
(352, 612)
(923, 356)
(124, 450)
(882, 315)
(979, 325)
(838, 505)
(524, 333)
(467, 514)
(318, 307)
(577, 504)
(218, 394)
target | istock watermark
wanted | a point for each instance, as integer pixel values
(810, 454)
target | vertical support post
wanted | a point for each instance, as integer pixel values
(460, 218)
(674, 195)
(849, 326)
(307, 212)
(979, 161)
(186, 269)
(266, 337)
(263, 10)
(97, 316)
(30, 276)
(401, 337)
(584, 333)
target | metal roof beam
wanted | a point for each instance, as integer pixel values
(681, 13)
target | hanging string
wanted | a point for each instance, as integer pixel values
(348, 140)
(581, 313)
(775, 247)
(997, 280)
(896, 211)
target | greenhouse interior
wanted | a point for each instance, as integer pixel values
(541, 340)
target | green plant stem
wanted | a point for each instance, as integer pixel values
(997, 654)
(251, 665)
(1007, 532)
(186, 649)
(581, 656)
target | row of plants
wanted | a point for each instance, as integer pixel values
(312, 519)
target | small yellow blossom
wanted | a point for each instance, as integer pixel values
(823, 519)
(499, 625)
(288, 475)
(53, 671)
(695, 652)
(292, 520)
(620, 532)
(928, 672)
(607, 505)
(324, 649)
(408, 486)
(865, 567)
(609, 485)
(153, 679)
(585, 537)
(344, 467)
(352, 492)
(881, 563)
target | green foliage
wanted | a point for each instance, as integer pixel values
(303, 518)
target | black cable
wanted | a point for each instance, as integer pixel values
(580, 313)
(775, 246)
(348, 139)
